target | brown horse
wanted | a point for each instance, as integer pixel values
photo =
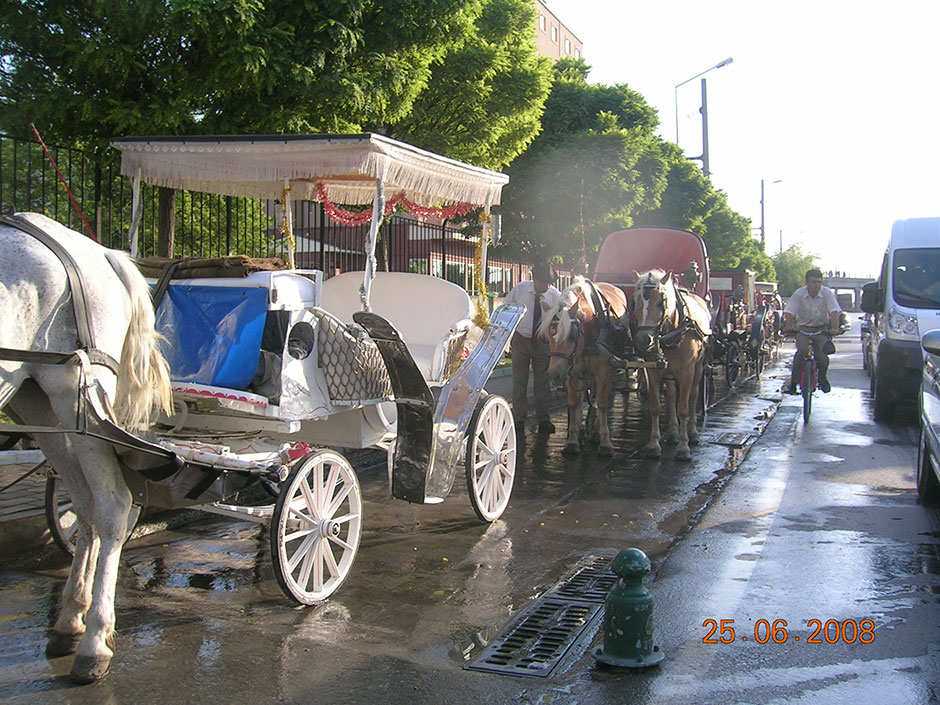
(579, 337)
(673, 325)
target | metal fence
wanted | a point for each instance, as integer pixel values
(209, 225)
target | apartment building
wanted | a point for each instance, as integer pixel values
(552, 38)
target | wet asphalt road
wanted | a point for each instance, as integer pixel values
(818, 522)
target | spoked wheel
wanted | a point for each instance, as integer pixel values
(806, 387)
(316, 527)
(491, 458)
(60, 517)
(732, 363)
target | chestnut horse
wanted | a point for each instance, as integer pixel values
(100, 304)
(673, 325)
(577, 335)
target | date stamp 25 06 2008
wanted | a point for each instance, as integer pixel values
(831, 631)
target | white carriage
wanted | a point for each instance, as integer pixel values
(274, 371)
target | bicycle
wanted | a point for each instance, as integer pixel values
(809, 374)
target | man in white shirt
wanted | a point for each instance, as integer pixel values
(526, 349)
(815, 308)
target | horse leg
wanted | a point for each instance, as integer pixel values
(604, 382)
(573, 442)
(672, 424)
(32, 404)
(653, 448)
(112, 507)
(695, 383)
(683, 452)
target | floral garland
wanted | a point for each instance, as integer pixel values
(347, 217)
(482, 317)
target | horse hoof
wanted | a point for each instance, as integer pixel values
(571, 449)
(654, 452)
(88, 669)
(62, 644)
(684, 454)
(694, 441)
(605, 451)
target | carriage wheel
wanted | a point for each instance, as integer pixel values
(732, 363)
(60, 517)
(316, 527)
(491, 458)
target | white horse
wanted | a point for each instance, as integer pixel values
(37, 306)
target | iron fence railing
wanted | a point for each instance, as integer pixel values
(209, 225)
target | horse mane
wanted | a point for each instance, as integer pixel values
(143, 383)
(569, 297)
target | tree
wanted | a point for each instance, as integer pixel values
(792, 265)
(486, 94)
(596, 165)
(85, 72)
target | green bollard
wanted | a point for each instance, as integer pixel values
(628, 615)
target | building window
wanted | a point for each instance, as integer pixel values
(577, 53)
(568, 46)
(542, 22)
(555, 34)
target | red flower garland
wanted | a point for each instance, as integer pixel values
(346, 217)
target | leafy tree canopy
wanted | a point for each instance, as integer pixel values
(486, 94)
(791, 265)
(85, 72)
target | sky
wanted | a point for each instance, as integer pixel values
(837, 102)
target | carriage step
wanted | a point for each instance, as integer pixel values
(536, 640)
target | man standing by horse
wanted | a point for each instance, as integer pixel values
(527, 349)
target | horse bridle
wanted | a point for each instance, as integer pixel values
(647, 289)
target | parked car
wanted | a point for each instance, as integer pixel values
(928, 454)
(905, 305)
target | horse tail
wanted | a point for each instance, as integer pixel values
(143, 385)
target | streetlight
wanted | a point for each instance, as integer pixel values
(762, 241)
(703, 110)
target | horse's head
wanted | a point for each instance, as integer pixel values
(654, 304)
(562, 326)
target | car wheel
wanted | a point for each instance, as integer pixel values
(884, 405)
(928, 485)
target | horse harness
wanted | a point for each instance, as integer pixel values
(86, 335)
(608, 328)
(673, 338)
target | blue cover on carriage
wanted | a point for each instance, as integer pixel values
(214, 333)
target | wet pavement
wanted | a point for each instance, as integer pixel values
(818, 522)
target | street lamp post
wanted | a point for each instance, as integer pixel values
(703, 110)
(762, 239)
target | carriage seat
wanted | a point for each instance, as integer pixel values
(431, 314)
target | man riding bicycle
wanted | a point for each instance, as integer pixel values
(814, 309)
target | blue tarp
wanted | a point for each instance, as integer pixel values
(214, 333)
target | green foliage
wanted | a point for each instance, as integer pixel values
(486, 93)
(85, 72)
(792, 265)
(594, 168)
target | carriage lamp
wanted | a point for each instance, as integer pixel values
(628, 616)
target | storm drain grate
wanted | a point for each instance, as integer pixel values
(734, 439)
(591, 580)
(537, 639)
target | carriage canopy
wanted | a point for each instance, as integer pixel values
(257, 166)
(643, 249)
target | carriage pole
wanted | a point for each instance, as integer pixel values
(378, 209)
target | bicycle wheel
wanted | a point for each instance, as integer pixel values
(807, 385)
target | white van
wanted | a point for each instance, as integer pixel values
(905, 302)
